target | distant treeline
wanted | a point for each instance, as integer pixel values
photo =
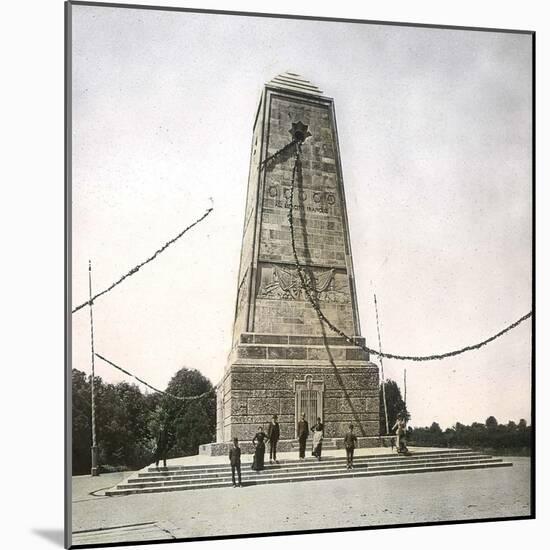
(128, 421)
(510, 438)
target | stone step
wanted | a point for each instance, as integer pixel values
(176, 480)
(404, 459)
(177, 470)
(258, 479)
(309, 466)
(389, 455)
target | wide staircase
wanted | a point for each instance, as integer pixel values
(207, 476)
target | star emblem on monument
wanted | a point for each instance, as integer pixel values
(299, 131)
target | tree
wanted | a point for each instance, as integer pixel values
(522, 425)
(395, 405)
(491, 423)
(81, 423)
(122, 419)
(435, 428)
(122, 424)
(191, 423)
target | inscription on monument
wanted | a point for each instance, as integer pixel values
(304, 199)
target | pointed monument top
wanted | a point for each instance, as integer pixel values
(294, 82)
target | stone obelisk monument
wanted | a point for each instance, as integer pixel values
(283, 361)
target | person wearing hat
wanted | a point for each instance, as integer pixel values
(273, 434)
(350, 443)
(303, 432)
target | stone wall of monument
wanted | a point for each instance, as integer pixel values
(245, 269)
(280, 307)
(254, 393)
(319, 215)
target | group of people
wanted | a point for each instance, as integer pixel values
(350, 440)
(274, 432)
(165, 439)
(273, 435)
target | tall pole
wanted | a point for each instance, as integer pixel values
(95, 471)
(381, 367)
(405, 386)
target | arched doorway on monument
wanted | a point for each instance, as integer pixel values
(308, 400)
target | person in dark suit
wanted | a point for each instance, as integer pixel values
(303, 432)
(273, 434)
(235, 461)
(350, 443)
(164, 442)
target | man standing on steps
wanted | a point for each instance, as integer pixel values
(273, 433)
(303, 432)
(164, 442)
(235, 461)
(350, 442)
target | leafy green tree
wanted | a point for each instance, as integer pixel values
(128, 421)
(489, 436)
(435, 429)
(395, 405)
(192, 423)
(491, 423)
(122, 425)
(81, 423)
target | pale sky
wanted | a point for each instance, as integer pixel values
(435, 138)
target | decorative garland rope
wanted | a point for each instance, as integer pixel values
(190, 398)
(322, 317)
(140, 265)
(277, 154)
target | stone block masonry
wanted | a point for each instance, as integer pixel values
(281, 361)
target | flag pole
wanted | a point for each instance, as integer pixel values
(95, 470)
(381, 367)
(405, 386)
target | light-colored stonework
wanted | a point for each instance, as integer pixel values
(282, 362)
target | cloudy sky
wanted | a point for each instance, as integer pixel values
(435, 137)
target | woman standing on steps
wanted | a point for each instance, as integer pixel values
(318, 434)
(401, 427)
(259, 452)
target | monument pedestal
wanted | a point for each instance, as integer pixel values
(289, 375)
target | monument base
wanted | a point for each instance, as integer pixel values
(289, 376)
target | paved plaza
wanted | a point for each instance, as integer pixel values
(384, 500)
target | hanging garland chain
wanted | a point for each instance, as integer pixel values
(180, 398)
(275, 156)
(312, 299)
(140, 265)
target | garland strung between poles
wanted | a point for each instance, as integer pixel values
(322, 317)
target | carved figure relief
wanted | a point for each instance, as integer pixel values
(283, 283)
